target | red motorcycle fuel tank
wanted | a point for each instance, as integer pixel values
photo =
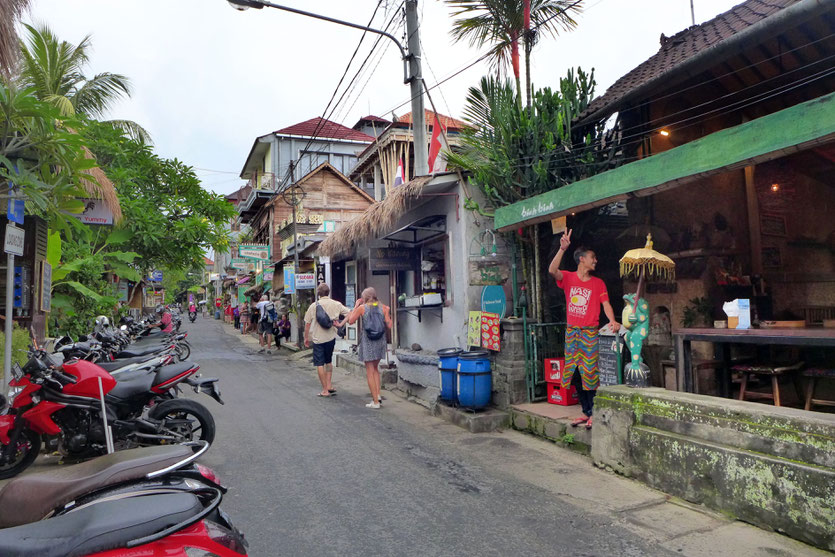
(87, 374)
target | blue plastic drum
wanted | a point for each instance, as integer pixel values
(447, 370)
(475, 379)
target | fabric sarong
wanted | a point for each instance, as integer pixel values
(581, 354)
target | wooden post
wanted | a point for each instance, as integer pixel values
(753, 222)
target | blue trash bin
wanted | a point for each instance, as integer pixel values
(217, 314)
(475, 379)
(447, 371)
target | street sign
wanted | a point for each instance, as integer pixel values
(14, 240)
(156, 276)
(14, 210)
(289, 281)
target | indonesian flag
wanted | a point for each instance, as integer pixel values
(399, 178)
(437, 160)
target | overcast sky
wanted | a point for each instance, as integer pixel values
(209, 79)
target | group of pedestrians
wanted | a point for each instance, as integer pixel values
(321, 322)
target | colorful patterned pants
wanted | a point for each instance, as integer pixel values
(581, 354)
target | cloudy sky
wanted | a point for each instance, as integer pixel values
(208, 79)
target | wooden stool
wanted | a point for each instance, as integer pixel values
(812, 375)
(775, 371)
(698, 366)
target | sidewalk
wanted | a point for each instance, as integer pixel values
(675, 525)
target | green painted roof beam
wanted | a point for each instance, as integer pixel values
(773, 136)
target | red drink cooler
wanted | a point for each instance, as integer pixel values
(553, 369)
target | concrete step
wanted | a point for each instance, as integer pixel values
(554, 428)
(481, 421)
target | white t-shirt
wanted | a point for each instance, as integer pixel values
(262, 308)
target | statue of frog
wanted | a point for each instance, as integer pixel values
(636, 321)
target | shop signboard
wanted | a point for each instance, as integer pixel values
(289, 280)
(95, 212)
(493, 300)
(350, 295)
(241, 293)
(123, 291)
(488, 270)
(305, 281)
(609, 358)
(268, 275)
(491, 337)
(474, 329)
(260, 252)
(259, 278)
(214, 276)
(391, 259)
(46, 287)
(242, 264)
(155, 276)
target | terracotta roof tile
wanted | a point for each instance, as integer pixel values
(326, 129)
(685, 44)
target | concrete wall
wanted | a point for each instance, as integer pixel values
(772, 467)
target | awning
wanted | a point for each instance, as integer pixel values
(243, 280)
(771, 137)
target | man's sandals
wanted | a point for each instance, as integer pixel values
(580, 421)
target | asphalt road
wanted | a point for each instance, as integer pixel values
(314, 476)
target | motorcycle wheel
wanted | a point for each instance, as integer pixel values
(28, 447)
(185, 418)
(183, 351)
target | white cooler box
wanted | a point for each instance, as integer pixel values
(431, 299)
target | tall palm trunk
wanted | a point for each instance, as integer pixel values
(514, 60)
(527, 37)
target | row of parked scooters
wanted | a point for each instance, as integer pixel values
(114, 393)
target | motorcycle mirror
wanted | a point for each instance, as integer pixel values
(124, 327)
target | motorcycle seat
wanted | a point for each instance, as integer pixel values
(29, 498)
(132, 383)
(117, 364)
(139, 351)
(102, 526)
(166, 373)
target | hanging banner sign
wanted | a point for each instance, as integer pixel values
(260, 252)
(268, 275)
(391, 259)
(155, 276)
(95, 212)
(46, 286)
(289, 280)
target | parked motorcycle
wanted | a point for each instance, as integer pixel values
(64, 405)
(141, 502)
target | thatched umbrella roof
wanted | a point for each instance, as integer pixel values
(377, 219)
(10, 12)
(99, 186)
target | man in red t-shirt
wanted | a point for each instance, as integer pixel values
(584, 295)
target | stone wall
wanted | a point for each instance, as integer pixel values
(509, 385)
(771, 466)
(417, 374)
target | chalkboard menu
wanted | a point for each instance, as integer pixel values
(608, 359)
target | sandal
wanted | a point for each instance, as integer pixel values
(580, 421)
(323, 395)
(588, 423)
(332, 391)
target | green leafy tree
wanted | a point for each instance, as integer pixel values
(501, 24)
(40, 156)
(55, 70)
(171, 220)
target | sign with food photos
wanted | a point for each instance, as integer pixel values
(490, 333)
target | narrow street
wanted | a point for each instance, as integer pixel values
(314, 476)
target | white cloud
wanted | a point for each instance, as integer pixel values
(209, 79)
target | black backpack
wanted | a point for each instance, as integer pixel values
(322, 317)
(373, 322)
(270, 314)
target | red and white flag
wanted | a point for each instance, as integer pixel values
(437, 160)
(399, 178)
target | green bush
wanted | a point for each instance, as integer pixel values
(20, 344)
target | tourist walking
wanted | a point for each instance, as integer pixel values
(584, 295)
(376, 321)
(320, 332)
(267, 317)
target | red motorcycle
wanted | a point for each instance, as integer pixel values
(144, 502)
(63, 404)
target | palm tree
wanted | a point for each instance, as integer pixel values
(55, 68)
(10, 12)
(501, 23)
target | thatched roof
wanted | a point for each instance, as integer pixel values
(10, 12)
(377, 219)
(99, 186)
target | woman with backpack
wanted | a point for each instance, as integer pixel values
(372, 345)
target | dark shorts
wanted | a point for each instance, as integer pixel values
(323, 353)
(265, 327)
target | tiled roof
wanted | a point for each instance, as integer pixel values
(446, 121)
(326, 129)
(207, 261)
(683, 45)
(372, 118)
(240, 194)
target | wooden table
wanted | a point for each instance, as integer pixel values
(784, 337)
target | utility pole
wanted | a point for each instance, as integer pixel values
(692, 13)
(416, 87)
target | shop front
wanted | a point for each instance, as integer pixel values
(415, 248)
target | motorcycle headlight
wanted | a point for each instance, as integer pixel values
(17, 371)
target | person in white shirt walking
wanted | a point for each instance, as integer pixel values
(265, 325)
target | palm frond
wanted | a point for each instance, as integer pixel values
(132, 130)
(10, 13)
(96, 95)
